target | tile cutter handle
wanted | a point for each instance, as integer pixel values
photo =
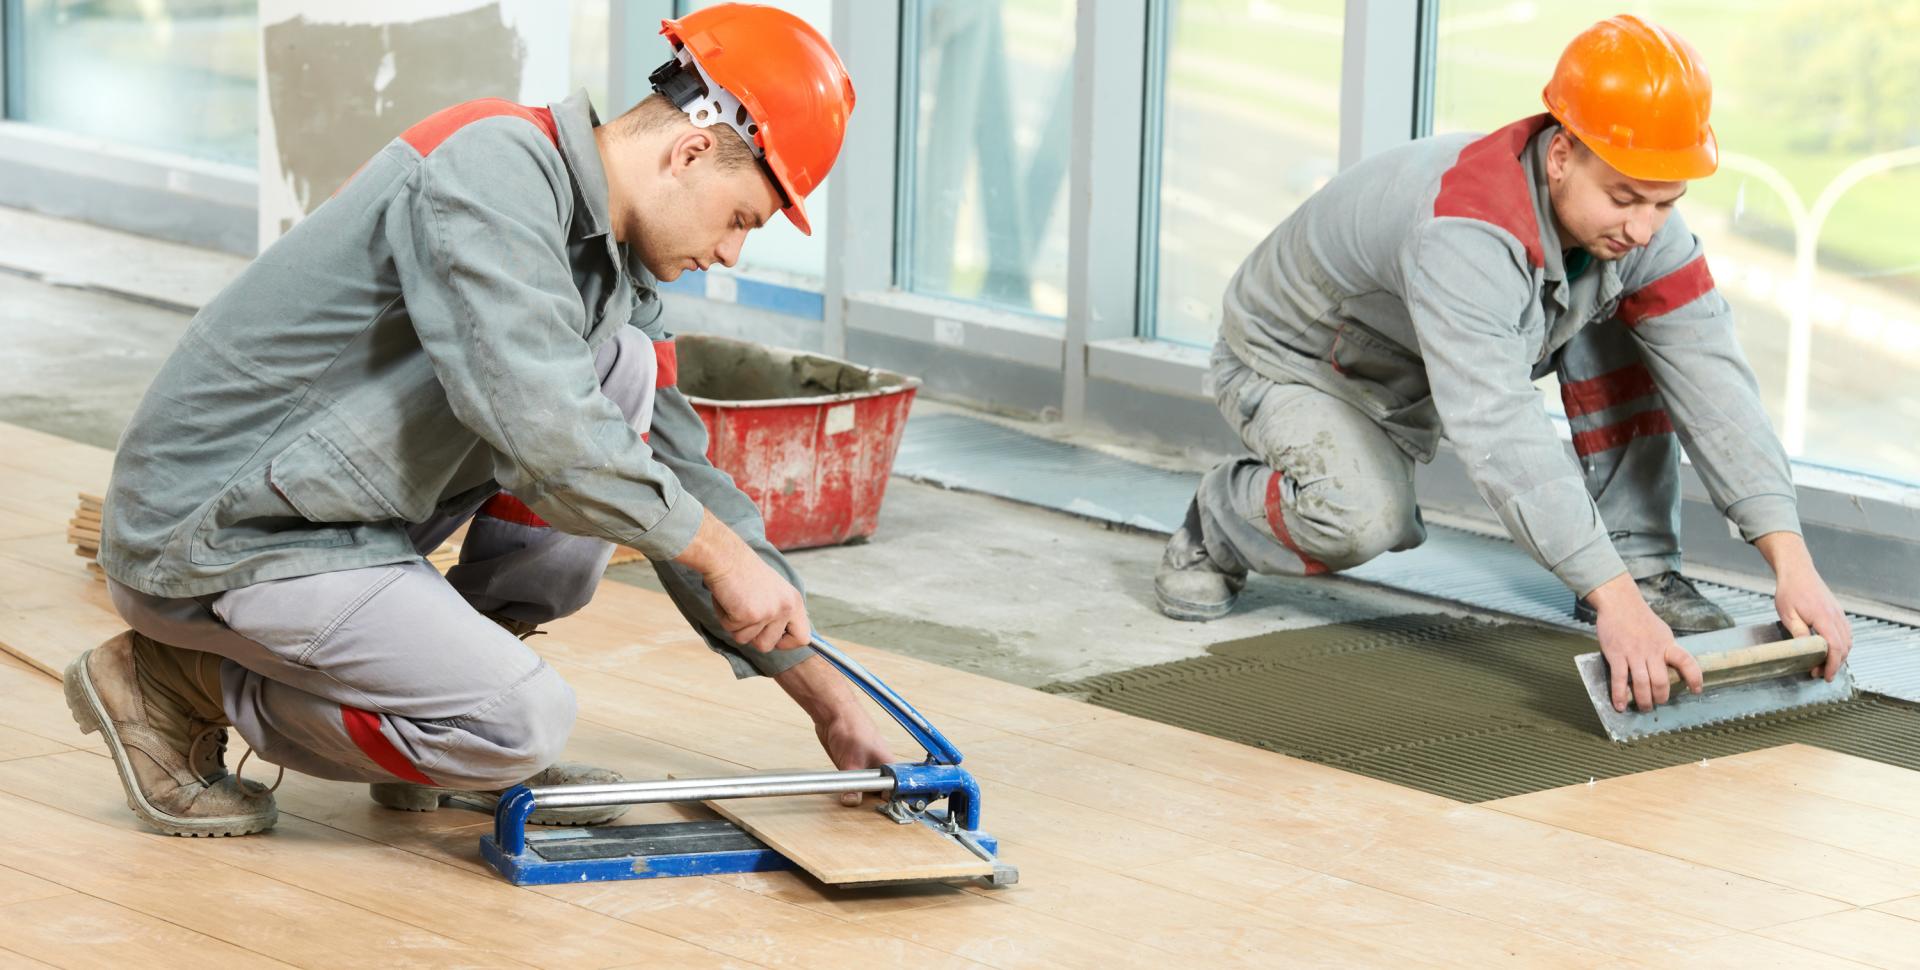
(940, 751)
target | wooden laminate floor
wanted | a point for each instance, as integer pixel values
(1139, 844)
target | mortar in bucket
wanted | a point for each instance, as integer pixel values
(811, 439)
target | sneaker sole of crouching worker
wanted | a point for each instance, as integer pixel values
(420, 798)
(1190, 612)
(91, 715)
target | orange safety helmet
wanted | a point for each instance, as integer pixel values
(1638, 95)
(771, 77)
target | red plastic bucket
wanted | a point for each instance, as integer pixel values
(809, 438)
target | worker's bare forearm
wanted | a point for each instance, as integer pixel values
(1617, 594)
(818, 689)
(715, 550)
(1786, 553)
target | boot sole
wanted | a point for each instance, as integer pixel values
(1191, 612)
(419, 798)
(91, 715)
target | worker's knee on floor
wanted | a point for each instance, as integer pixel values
(523, 732)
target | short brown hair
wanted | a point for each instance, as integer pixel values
(656, 113)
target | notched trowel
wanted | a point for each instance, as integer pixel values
(1746, 671)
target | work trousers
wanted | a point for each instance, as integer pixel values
(1325, 488)
(392, 672)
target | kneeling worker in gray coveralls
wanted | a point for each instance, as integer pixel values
(468, 331)
(1423, 291)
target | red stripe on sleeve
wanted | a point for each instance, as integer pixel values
(1642, 425)
(364, 728)
(1614, 387)
(1666, 294)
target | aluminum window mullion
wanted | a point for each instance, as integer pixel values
(1379, 76)
(1152, 143)
(1104, 185)
(1426, 60)
(12, 27)
(862, 220)
(634, 49)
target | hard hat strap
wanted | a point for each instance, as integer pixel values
(686, 84)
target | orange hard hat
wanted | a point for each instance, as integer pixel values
(771, 77)
(1638, 95)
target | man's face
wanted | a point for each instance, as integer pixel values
(704, 212)
(1599, 209)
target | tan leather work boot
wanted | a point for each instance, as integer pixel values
(422, 798)
(158, 707)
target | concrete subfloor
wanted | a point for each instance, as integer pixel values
(1018, 593)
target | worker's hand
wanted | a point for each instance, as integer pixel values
(755, 605)
(759, 608)
(1639, 647)
(1805, 603)
(840, 722)
(852, 741)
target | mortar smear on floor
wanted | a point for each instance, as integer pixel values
(1458, 707)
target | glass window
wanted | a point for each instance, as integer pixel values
(1812, 101)
(179, 76)
(987, 151)
(1250, 127)
(778, 251)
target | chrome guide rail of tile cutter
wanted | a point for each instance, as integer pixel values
(910, 793)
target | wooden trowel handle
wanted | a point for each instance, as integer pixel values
(1763, 662)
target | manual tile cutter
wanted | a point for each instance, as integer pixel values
(909, 790)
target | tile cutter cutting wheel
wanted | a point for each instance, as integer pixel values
(911, 793)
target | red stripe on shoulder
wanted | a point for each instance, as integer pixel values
(1667, 294)
(440, 126)
(1488, 183)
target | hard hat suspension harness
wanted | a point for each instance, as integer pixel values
(685, 83)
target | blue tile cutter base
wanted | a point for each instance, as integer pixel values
(910, 791)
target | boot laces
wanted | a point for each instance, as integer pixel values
(1673, 581)
(219, 737)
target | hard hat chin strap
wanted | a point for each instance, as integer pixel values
(684, 82)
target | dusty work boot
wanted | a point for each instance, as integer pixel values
(1189, 585)
(1675, 600)
(423, 798)
(158, 707)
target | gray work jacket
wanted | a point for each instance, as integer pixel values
(424, 337)
(1424, 286)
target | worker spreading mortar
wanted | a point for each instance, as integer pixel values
(1420, 294)
(469, 330)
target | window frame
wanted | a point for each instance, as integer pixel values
(1102, 369)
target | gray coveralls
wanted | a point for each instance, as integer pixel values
(1423, 290)
(456, 330)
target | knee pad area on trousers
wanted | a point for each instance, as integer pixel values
(1345, 527)
(512, 740)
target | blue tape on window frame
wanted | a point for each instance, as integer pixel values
(759, 294)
